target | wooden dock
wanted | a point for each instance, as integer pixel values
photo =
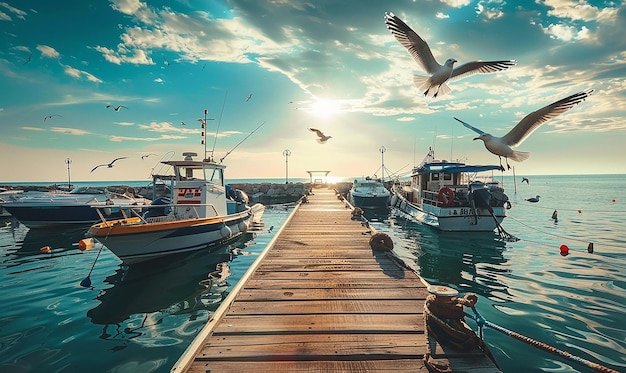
(319, 299)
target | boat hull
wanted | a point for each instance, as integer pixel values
(133, 242)
(450, 219)
(369, 202)
(44, 215)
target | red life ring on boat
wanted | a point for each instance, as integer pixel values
(446, 196)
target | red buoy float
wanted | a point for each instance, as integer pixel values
(564, 250)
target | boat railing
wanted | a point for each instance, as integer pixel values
(431, 197)
(137, 210)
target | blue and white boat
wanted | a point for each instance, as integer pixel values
(369, 193)
(450, 196)
(58, 208)
(201, 214)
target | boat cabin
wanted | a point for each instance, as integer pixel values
(198, 189)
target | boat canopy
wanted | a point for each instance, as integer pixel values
(453, 168)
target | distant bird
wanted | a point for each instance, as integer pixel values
(322, 138)
(525, 180)
(203, 66)
(249, 97)
(107, 165)
(533, 199)
(435, 84)
(501, 146)
(270, 230)
(116, 108)
(28, 59)
(555, 216)
(50, 116)
(183, 123)
(165, 61)
(144, 156)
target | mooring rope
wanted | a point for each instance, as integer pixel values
(480, 321)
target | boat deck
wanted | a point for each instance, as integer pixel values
(318, 300)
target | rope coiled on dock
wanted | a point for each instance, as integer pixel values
(381, 242)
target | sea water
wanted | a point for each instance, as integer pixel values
(141, 318)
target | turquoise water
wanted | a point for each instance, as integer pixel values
(142, 318)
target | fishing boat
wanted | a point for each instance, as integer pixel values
(201, 213)
(368, 193)
(58, 208)
(450, 196)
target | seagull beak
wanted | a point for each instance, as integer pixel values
(476, 138)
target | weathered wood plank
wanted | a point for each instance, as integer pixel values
(320, 366)
(319, 307)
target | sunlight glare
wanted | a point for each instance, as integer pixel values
(325, 109)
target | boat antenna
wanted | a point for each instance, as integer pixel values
(219, 121)
(244, 139)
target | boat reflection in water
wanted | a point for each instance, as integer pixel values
(468, 261)
(144, 294)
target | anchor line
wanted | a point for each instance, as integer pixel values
(541, 345)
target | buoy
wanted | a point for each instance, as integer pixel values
(590, 248)
(381, 242)
(613, 200)
(85, 244)
(564, 250)
(580, 212)
(46, 250)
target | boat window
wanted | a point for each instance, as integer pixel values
(447, 176)
(434, 177)
(215, 175)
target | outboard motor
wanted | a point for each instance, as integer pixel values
(164, 201)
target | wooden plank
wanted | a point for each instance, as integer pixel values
(304, 366)
(249, 295)
(319, 307)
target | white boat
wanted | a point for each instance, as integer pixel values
(451, 197)
(6, 196)
(58, 208)
(369, 193)
(203, 213)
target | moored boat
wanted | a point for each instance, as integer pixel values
(201, 213)
(369, 193)
(52, 209)
(450, 197)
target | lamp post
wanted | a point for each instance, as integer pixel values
(286, 153)
(68, 162)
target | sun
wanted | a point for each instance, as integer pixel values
(325, 109)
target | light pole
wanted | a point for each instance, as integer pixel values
(286, 153)
(68, 162)
(382, 161)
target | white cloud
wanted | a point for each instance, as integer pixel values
(47, 51)
(76, 73)
(17, 12)
(71, 131)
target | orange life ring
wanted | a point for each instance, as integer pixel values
(446, 196)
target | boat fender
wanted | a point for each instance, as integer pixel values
(243, 227)
(446, 196)
(107, 211)
(394, 200)
(381, 242)
(225, 231)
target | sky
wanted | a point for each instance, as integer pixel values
(267, 71)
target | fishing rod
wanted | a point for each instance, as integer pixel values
(244, 139)
(218, 125)
(535, 343)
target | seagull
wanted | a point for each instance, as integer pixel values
(116, 108)
(143, 156)
(50, 116)
(249, 97)
(501, 146)
(524, 179)
(322, 138)
(435, 84)
(183, 123)
(533, 199)
(28, 59)
(108, 165)
(165, 61)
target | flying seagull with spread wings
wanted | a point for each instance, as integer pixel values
(116, 108)
(50, 116)
(501, 146)
(435, 85)
(109, 165)
(322, 138)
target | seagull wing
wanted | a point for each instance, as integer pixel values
(481, 67)
(417, 47)
(319, 133)
(113, 161)
(470, 126)
(100, 165)
(535, 119)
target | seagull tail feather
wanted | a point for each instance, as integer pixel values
(519, 156)
(421, 82)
